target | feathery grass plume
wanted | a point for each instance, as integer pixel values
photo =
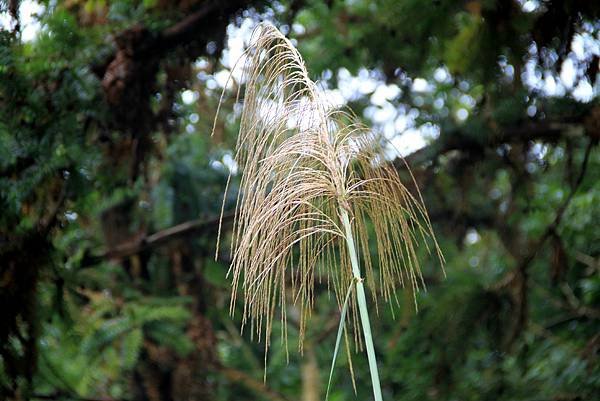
(312, 176)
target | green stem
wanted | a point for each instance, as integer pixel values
(362, 306)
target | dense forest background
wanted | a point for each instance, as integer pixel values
(111, 187)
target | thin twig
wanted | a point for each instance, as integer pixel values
(560, 211)
(521, 272)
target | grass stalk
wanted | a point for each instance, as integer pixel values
(362, 306)
(339, 338)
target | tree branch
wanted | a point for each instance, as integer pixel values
(159, 238)
(560, 211)
(455, 139)
(188, 29)
(521, 272)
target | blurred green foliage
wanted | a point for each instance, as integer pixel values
(103, 298)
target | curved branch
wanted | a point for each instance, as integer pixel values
(156, 239)
(455, 139)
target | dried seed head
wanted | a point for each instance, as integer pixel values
(301, 161)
